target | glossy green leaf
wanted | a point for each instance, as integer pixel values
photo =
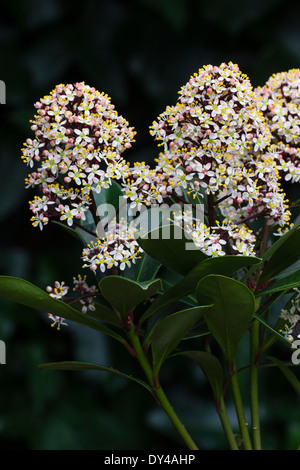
(173, 248)
(84, 236)
(288, 374)
(73, 365)
(225, 265)
(108, 204)
(112, 195)
(284, 284)
(125, 294)
(169, 331)
(232, 311)
(144, 269)
(283, 253)
(276, 335)
(23, 292)
(211, 367)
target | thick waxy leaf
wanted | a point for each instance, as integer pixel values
(225, 265)
(144, 269)
(112, 195)
(25, 293)
(283, 253)
(275, 335)
(125, 294)
(289, 375)
(173, 248)
(232, 311)
(108, 204)
(211, 367)
(169, 331)
(284, 284)
(73, 365)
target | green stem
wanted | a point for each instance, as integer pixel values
(159, 393)
(239, 407)
(226, 425)
(254, 386)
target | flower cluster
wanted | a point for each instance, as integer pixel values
(79, 138)
(85, 297)
(279, 101)
(292, 317)
(215, 142)
(218, 240)
(118, 249)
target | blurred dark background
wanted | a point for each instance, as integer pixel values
(139, 52)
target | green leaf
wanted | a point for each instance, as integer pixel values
(169, 331)
(125, 294)
(232, 311)
(289, 375)
(144, 269)
(112, 195)
(226, 265)
(84, 236)
(274, 333)
(73, 365)
(23, 292)
(108, 203)
(211, 367)
(283, 253)
(286, 283)
(172, 247)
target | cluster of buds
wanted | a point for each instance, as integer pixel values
(223, 144)
(79, 138)
(279, 101)
(85, 296)
(215, 142)
(117, 249)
